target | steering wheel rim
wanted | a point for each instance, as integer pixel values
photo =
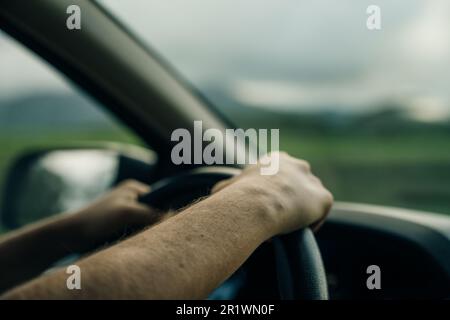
(299, 265)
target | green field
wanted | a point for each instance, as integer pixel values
(13, 144)
(407, 170)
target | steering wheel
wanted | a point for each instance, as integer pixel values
(299, 266)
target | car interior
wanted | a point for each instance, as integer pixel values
(152, 99)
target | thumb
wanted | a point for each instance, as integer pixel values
(222, 185)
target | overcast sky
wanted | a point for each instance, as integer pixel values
(289, 53)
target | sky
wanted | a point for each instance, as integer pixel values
(287, 53)
(22, 72)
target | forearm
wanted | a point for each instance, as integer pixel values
(29, 251)
(184, 257)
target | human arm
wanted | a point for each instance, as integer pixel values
(189, 255)
(29, 251)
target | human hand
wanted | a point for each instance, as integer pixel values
(113, 215)
(295, 198)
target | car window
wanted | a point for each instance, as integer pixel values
(39, 108)
(370, 109)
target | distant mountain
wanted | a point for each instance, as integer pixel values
(386, 119)
(66, 111)
(52, 110)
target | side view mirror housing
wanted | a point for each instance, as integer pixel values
(46, 182)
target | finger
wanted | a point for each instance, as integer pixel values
(127, 194)
(136, 186)
(316, 226)
(316, 179)
(222, 184)
(271, 157)
(328, 205)
(304, 165)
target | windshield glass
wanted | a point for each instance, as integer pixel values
(369, 108)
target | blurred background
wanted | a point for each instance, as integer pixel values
(369, 109)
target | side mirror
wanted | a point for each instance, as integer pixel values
(42, 183)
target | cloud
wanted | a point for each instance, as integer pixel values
(22, 71)
(290, 52)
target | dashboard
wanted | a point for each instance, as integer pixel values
(411, 249)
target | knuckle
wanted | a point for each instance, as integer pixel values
(328, 199)
(121, 205)
(283, 154)
(330, 196)
(304, 165)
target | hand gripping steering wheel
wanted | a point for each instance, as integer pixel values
(299, 266)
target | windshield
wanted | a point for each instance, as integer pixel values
(369, 108)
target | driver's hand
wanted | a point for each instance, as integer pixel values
(113, 215)
(295, 197)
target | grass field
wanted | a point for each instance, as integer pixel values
(406, 171)
(14, 144)
(411, 171)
